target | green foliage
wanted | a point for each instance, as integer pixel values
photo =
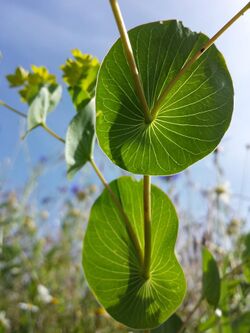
(111, 263)
(192, 118)
(18, 78)
(80, 139)
(246, 257)
(242, 323)
(44, 102)
(210, 278)
(31, 82)
(39, 90)
(191, 108)
(80, 75)
(207, 324)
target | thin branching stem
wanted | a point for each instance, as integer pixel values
(123, 215)
(147, 225)
(188, 64)
(190, 315)
(23, 115)
(106, 185)
(7, 106)
(131, 59)
(52, 133)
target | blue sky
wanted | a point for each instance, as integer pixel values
(44, 32)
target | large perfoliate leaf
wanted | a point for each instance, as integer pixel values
(111, 264)
(80, 139)
(210, 278)
(192, 118)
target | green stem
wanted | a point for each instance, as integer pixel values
(47, 129)
(99, 174)
(131, 59)
(147, 225)
(188, 64)
(12, 109)
(190, 315)
(44, 126)
(121, 211)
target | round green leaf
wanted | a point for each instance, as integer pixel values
(111, 264)
(192, 118)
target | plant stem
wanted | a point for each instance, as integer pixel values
(130, 58)
(188, 64)
(147, 225)
(190, 315)
(44, 126)
(47, 129)
(123, 215)
(106, 185)
(12, 109)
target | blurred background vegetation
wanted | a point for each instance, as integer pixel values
(42, 283)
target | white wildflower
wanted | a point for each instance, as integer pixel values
(44, 294)
(223, 191)
(218, 312)
(4, 321)
(28, 307)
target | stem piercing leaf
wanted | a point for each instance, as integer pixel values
(111, 265)
(189, 122)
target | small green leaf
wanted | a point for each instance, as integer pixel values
(172, 325)
(38, 109)
(45, 102)
(246, 257)
(55, 95)
(226, 294)
(192, 118)
(111, 264)
(31, 82)
(209, 323)
(80, 139)
(210, 278)
(18, 78)
(80, 75)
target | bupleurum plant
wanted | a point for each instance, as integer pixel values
(161, 100)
